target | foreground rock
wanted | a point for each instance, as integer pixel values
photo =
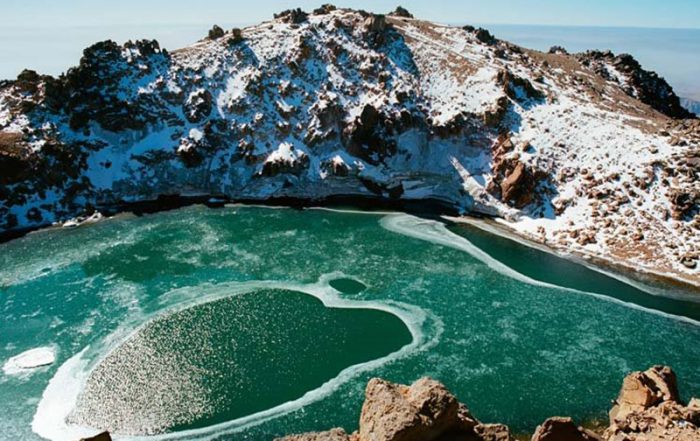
(647, 409)
(563, 429)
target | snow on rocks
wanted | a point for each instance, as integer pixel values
(286, 159)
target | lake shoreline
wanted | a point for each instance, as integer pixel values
(430, 208)
(598, 262)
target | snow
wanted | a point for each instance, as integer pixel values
(196, 134)
(285, 153)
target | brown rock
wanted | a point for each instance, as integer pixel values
(641, 390)
(519, 186)
(493, 432)
(562, 429)
(666, 421)
(421, 412)
(693, 411)
(375, 23)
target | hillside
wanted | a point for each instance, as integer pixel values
(586, 153)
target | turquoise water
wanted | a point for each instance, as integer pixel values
(500, 333)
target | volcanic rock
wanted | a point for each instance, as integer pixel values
(644, 85)
(642, 390)
(294, 16)
(401, 12)
(215, 33)
(562, 429)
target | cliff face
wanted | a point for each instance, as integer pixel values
(341, 102)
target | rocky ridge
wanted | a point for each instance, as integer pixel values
(586, 153)
(648, 408)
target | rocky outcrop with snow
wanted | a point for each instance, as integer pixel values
(644, 85)
(648, 408)
(343, 102)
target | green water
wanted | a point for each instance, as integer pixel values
(334, 299)
(229, 358)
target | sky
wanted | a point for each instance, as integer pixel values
(49, 35)
(635, 13)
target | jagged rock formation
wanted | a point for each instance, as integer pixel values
(343, 102)
(647, 409)
(644, 85)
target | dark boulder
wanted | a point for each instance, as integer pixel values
(368, 136)
(215, 33)
(14, 162)
(558, 50)
(401, 12)
(28, 81)
(293, 16)
(291, 161)
(104, 436)
(236, 36)
(324, 9)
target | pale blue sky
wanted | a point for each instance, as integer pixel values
(642, 13)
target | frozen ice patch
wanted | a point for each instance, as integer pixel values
(28, 361)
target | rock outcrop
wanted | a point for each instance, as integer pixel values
(642, 84)
(647, 409)
(563, 429)
(424, 411)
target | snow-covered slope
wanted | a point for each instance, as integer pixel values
(342, 102)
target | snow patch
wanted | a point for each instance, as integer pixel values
(28, 361)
